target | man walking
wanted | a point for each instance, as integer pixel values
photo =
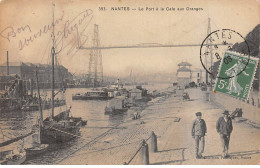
(198, 131)
(224, 128)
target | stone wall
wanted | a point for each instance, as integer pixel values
(250, 112)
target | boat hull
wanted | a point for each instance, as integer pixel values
(59, 129)
(115, 111)
(62, 129)
(36, 151)
(3, 161)
(14, 159)
(89, 98)
(18, 161)
(55, 135)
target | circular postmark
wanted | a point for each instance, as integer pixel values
(213, 48)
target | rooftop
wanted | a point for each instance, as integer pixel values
(30, 64)
(183, 69)
(184, 64)
(12, 64)
(135, 90)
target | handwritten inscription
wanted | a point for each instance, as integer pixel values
(73, 26)
(46, 28)
(76, 25)
(10, 32)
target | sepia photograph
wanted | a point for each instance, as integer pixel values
(129, 82)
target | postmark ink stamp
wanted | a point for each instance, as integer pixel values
(213, 48)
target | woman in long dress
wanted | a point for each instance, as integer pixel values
(233, 86)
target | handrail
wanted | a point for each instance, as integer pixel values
(134, 155)
(143, 141)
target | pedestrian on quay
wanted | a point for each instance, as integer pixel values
(224, 128)
(198, 132)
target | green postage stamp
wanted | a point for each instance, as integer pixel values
(236, 75)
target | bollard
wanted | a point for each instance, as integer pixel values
(207, 96)
(144, 154)
(253, 102)
(153, 143)
(258, 103)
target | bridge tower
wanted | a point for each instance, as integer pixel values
(95, 71)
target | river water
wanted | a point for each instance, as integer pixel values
(18, 123)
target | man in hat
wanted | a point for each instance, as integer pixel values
(198, 131)
(224, 128)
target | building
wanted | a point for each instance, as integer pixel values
(26, 71)
(184, 74)
(13, 68)
(135, 94)
(198, 76)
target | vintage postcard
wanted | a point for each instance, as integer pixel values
(129, 82)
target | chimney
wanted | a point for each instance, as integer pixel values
(7, 63)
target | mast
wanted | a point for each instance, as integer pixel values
(7, 63)
(40, 103)
(52, 65)
(39, 96)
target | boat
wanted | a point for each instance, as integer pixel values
(91, 95)
(16, 158)
(10, 157)
(117, 90)
(36, 150)
(62, 131)
(116, 105)
(13, 157)
(62, 127)
(3, 154)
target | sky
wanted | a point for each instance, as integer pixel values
(21, 19)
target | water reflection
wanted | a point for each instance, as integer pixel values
(18, 123)
(118, 118)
